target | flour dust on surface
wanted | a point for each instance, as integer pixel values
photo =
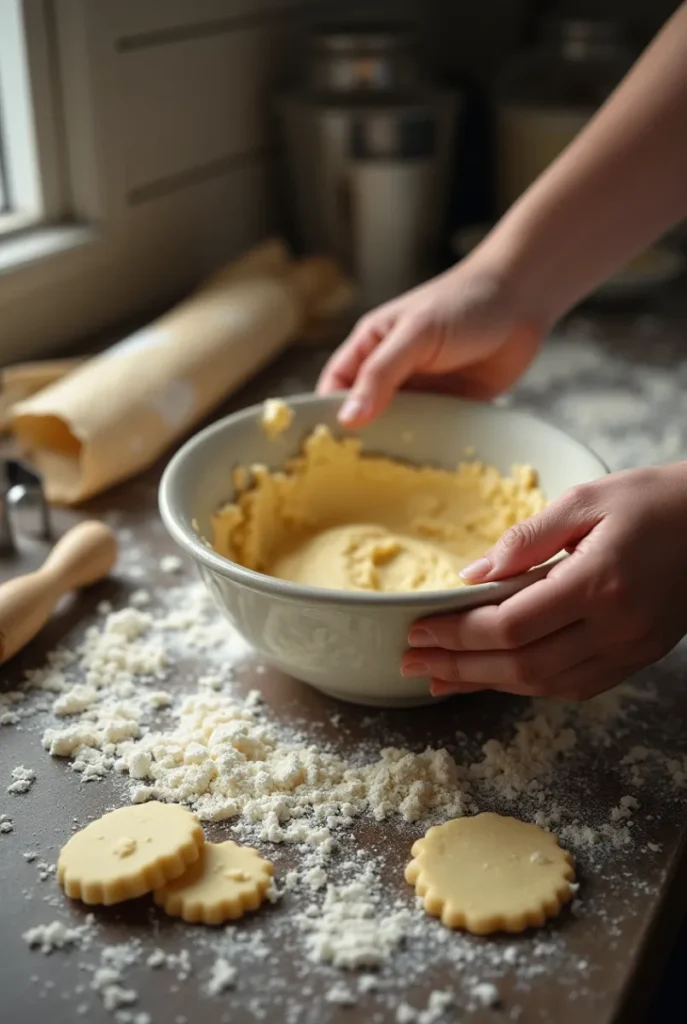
(336, 814)
(159, 699)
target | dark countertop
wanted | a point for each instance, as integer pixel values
(615, 379)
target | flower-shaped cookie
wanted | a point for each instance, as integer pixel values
(129, 852)
(491, 873)
(227, 881)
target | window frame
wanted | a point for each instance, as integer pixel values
(32, 155)
(68, 237)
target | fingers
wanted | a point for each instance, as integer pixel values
(387, 368)
(381, 354)
(560, 526)
(522, 671)
(440, 688)
(542, 608)
(581, 682)
(342, 368)
(589, 678)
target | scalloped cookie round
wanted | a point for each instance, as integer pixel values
(129, 852)
(227, 881)
(491, 873)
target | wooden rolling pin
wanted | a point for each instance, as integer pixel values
(83, 556)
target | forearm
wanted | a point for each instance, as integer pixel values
(619, 186)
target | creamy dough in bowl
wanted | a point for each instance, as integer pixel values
(338, 518)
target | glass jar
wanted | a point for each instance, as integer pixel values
(547, 94)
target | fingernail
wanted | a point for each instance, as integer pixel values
(419, 637)
(352, 409)
(414, 669)
(476, 570)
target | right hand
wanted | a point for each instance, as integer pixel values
(462, 333)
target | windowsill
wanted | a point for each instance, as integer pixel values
(42, 243)
(11, 222)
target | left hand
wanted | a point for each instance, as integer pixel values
(617, 604)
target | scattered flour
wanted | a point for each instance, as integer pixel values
(222, 977)
(624, 810)
(341, 994)
(486, 994)
(74, 701)
(171, 564)
(23, 778)
(108, 978)
(230, 760)
(524, 764)
(439, 1003)
(57, 935)
(352, 928)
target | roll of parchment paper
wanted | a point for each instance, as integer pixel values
(115, 415)
(26, 379)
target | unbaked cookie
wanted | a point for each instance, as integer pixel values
(227, 881)
(129, 852)
(490, 873)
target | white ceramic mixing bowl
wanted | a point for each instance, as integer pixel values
(350, 644)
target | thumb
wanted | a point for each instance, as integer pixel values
(561, 525)
(384, 371)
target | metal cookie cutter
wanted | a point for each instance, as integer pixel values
(23, 498)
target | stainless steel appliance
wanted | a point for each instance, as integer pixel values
(369, 144)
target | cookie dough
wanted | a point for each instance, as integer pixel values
(227, 881)
(490, 873)
(340, 519)
(276, 417)
(129, 852)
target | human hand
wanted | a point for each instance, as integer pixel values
(614, 606)
(462, 333)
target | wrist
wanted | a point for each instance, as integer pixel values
(505, 266)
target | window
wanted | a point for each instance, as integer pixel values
(21, 199)
(43, 240)
(136, 155)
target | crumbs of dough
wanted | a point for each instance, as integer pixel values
(276, 417)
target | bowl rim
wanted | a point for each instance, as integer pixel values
(193, 545)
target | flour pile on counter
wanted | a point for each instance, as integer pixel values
(222, 756)
(225, 757)
(337, 518)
